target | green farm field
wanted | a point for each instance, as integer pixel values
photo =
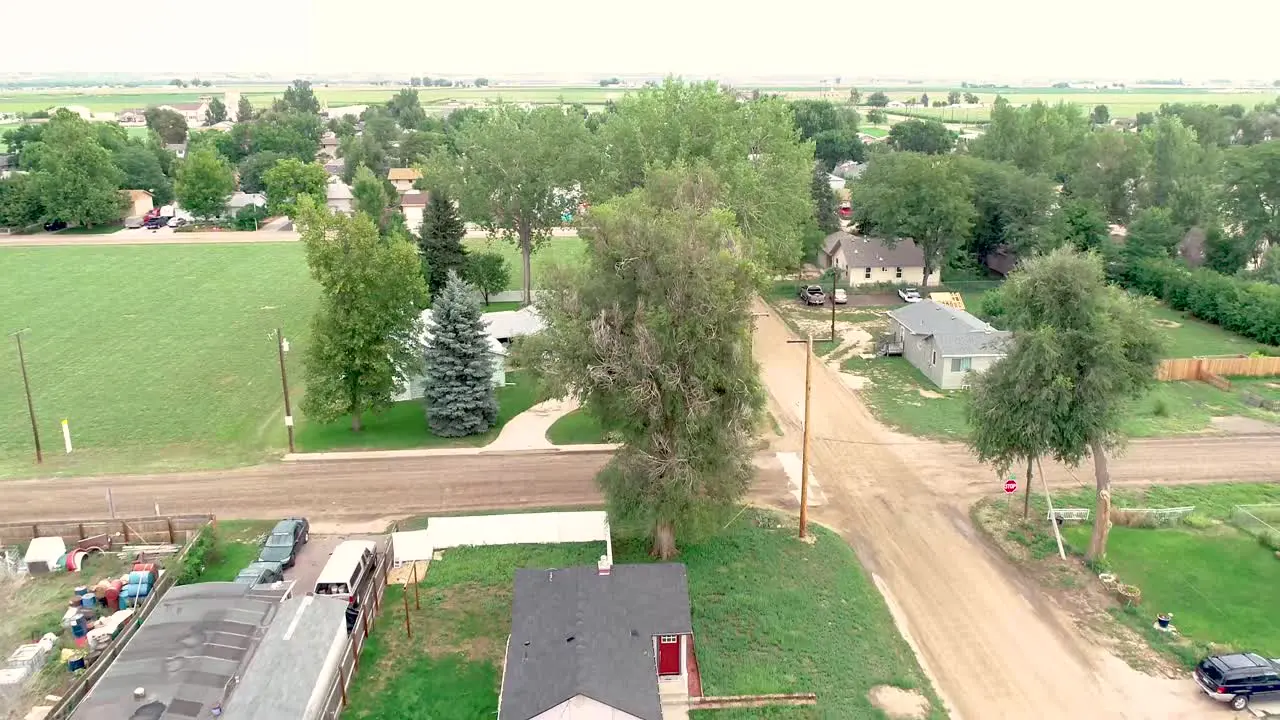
(160, 357)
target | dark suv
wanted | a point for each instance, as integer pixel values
(285, 542)
(1237, 678)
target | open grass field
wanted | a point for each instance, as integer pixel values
(160, 357)
(404, 424)
(558, 250)
(1121, 103)
(821, 628)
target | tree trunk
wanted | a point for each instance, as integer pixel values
(664, 540)
(1102, 514)
(526, 253)
(356, 425)
(1026, 496)
(928, 270)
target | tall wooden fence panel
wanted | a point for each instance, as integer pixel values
(172, 529)
(1197, 368)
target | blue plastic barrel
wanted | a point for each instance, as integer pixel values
(87, 601)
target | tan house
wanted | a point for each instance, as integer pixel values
(140, 202)
(194, 113)
(868, 261)
(338, 197)
(329, 146)
(412, 205)
(404, 178)
(946, 344)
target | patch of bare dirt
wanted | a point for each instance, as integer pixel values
(929, 394)
(1238, 425)
(899, 703)
(1161, 322)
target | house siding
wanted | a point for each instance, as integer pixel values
(910, 276)
(402, 186)
(581, 707)
(413, 217)
(919, 352)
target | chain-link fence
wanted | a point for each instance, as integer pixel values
(1261, 521)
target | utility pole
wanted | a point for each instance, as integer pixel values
(804, 451)
(284, 384)
(833, 304)
(26, 385)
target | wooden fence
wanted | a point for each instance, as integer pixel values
(1213, 369)
(370, 606)
(172, 529)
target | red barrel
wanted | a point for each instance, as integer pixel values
(113, 599)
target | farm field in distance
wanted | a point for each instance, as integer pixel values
(1122, 103)
(161, 357)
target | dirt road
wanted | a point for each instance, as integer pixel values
(324, 491)
(996, 646)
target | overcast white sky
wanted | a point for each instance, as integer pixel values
(975, 39)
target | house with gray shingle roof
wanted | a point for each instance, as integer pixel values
(946, 343)
(863, 260)
(597, 642)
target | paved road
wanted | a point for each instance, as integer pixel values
(994, 644)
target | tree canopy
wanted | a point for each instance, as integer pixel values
(74, 175)
(1253, 190)
(205, 183)
(364, 336)
(300, 98)
(459, 364)
(1039, 139)
(216, 113)
(653, 334)
(290, 179)
(170, 125)
(923, 136)
(440, 240)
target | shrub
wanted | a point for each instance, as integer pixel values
(201, 553)
(1251, 309)
(1198, 521)
(1270, 539)
(1160, 408)
(250, 217)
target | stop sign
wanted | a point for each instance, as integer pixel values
(1011, 485)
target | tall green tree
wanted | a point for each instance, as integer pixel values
(140, 169)
(752, 147)
(440, 240)
(1183, 176)
(923, 136)
(653, 333)
(459, 365)
(922, 197)
(1108, 170)
(488, 272)
(369, 196)
(170, 125)
(1039, 139)
(824, 202)
(1225, 252)
(1080, 224)
(832, 128)
(1012, 207)
(205, 183)
(518, 173)
(75, 176)
(244, 110)
(298, 97)
(1101, 115)
(364, 336)
(1253, 190)
(1090, 350)
(290, 179)
(406, 108)
(216, 113)
(877, 99)
(20, 201)
(1268, 269)
(254, 167)
(1152, 234)
(295, 134)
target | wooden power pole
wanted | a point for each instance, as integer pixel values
(26, 385)
(804, 451)
(284, 384)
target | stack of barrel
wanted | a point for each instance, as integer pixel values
(138, 584)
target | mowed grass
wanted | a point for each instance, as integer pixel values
(821, 627)
(160, 357)
(1188, 337)
(576, 428)
(404, 424)
(236, 544)
(558, 250)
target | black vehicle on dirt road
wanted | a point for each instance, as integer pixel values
(1239, 678)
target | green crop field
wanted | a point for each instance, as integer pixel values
(160, 357)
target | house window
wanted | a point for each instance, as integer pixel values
(867, 274)
(897, 272)
(669, 639)
(961, 364)
(934, 361)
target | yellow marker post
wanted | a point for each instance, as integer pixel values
(66, 435)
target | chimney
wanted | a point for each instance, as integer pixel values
(604, 566)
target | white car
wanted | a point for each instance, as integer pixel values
(840, 297)
(910, 295)
(178, 221)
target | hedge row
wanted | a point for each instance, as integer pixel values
(1251, 309)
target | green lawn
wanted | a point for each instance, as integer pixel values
(161, 357)
(1189, 337)
(404, 424)
(576, 428)
(559, 250)
(874, 131)
(821, 627)
(95, 230)
(236, 544)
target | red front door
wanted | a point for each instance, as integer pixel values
(668, 654)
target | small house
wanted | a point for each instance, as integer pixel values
(338, 197)
(329, 146)
(595, 643)
(412, 205)
(945, 343)
(335, 167)
(404, 178)
(140, 202)
(868, 261)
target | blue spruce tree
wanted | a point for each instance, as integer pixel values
(459, 366)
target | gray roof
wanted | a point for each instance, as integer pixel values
(861, 251)
(290, 670)
(576, 632)
(185, 655)
(954, 332)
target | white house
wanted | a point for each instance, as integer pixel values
(870, 261)
(946, 343)
(338, 197)
(416, 384)
(503, 327)
(412, 206)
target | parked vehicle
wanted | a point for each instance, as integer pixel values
(260, 573)
(55, 225)
(1238, 678)
(346, 570)
(285, 541)
(846, 211)
(813, 295)
(840, 297)
(134, 222)
(177, 222)
(910, 295)
(156, 223)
